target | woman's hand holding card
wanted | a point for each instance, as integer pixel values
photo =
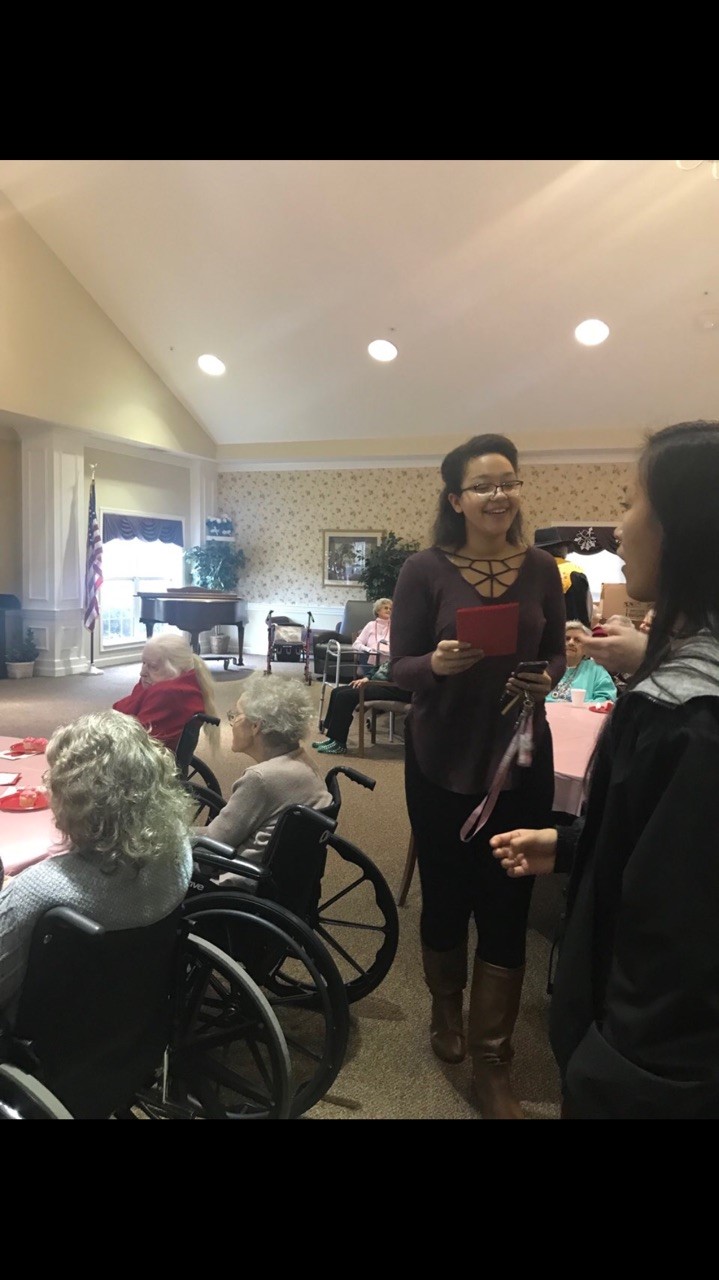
(452, 657)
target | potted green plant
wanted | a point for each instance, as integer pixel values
(382, 566)
(214, 566)
(20, 657)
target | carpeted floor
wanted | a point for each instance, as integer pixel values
(389, 1071)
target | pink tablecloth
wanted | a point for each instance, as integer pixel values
(574, 733)
(25, 837)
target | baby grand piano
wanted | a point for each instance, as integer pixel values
(193, 609)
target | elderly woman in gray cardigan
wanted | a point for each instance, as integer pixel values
(273, 714)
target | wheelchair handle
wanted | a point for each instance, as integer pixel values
(353, 775)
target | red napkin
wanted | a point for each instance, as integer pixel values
(29, 746)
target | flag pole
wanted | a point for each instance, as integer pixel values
(92, 521)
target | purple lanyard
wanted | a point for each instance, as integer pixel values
(521, 747)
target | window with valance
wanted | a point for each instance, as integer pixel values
(140, 553)
(146, 528)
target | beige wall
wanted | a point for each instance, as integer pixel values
(123, 483)
(63, 362)
(280, 516)
(10, 514)
(141, 486)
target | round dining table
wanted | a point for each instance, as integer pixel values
(29, 835)
(575, 730)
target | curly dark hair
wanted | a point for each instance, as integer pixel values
(449, 525)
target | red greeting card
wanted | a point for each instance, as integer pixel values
(490, 627)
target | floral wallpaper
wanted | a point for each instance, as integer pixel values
(280, 515)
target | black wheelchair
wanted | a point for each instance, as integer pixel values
(282, 954)
(139, 1023)
(315, 925)
(189, 766)
(348, 904)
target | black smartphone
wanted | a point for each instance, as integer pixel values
(536, 667)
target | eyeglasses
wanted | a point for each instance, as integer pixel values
(489, 490)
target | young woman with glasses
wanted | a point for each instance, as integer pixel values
(634, 1019)
(456, 736)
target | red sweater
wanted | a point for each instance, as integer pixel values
(164, 708)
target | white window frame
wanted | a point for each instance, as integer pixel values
(131, 646)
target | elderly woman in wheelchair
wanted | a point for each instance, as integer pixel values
(174, 686)
(124, 858)
(272, 716)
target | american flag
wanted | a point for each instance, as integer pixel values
(93, 565)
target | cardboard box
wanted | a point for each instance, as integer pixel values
(614, 599)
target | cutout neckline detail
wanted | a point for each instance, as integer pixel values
(482, 571)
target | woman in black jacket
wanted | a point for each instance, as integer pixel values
(634, 1021)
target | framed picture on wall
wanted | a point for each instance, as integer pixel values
(344, 555)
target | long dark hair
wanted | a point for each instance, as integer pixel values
(449, 525)
(679, 470)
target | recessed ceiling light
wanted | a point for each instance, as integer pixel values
(591, 332)
(382, 350)
(211, 365)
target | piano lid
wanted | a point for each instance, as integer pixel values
(189, 593)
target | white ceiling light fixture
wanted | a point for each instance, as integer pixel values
(694, 164)
(382, 350)
(212, 365)
(591, 332)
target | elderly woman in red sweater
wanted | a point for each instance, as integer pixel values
(174, 686)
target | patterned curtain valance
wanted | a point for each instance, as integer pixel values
(149, 530)
(588, 539)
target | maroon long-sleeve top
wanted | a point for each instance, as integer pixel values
(458, 733)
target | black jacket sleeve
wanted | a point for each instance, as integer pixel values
(654, 1051)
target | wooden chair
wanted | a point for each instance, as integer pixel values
(392, 706)
(408, 871)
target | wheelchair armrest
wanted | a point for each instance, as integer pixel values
(211, 853)
(237, 866)
(74, 920)
(212, 846)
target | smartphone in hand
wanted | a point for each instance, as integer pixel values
(536, 667)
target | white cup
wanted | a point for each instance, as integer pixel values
(578, 696)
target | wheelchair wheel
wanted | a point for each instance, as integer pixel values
(228, 1059)
(23, 1097)
(207, 804)
(357, 918)
(202, 774)
(292, 966)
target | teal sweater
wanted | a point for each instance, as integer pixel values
(588, 675)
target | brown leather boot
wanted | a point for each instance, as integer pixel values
(493, 1009)
(445, 973)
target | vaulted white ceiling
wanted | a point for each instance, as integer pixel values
(478, 271)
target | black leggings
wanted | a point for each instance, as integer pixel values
(462, 880)
(344, 699)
